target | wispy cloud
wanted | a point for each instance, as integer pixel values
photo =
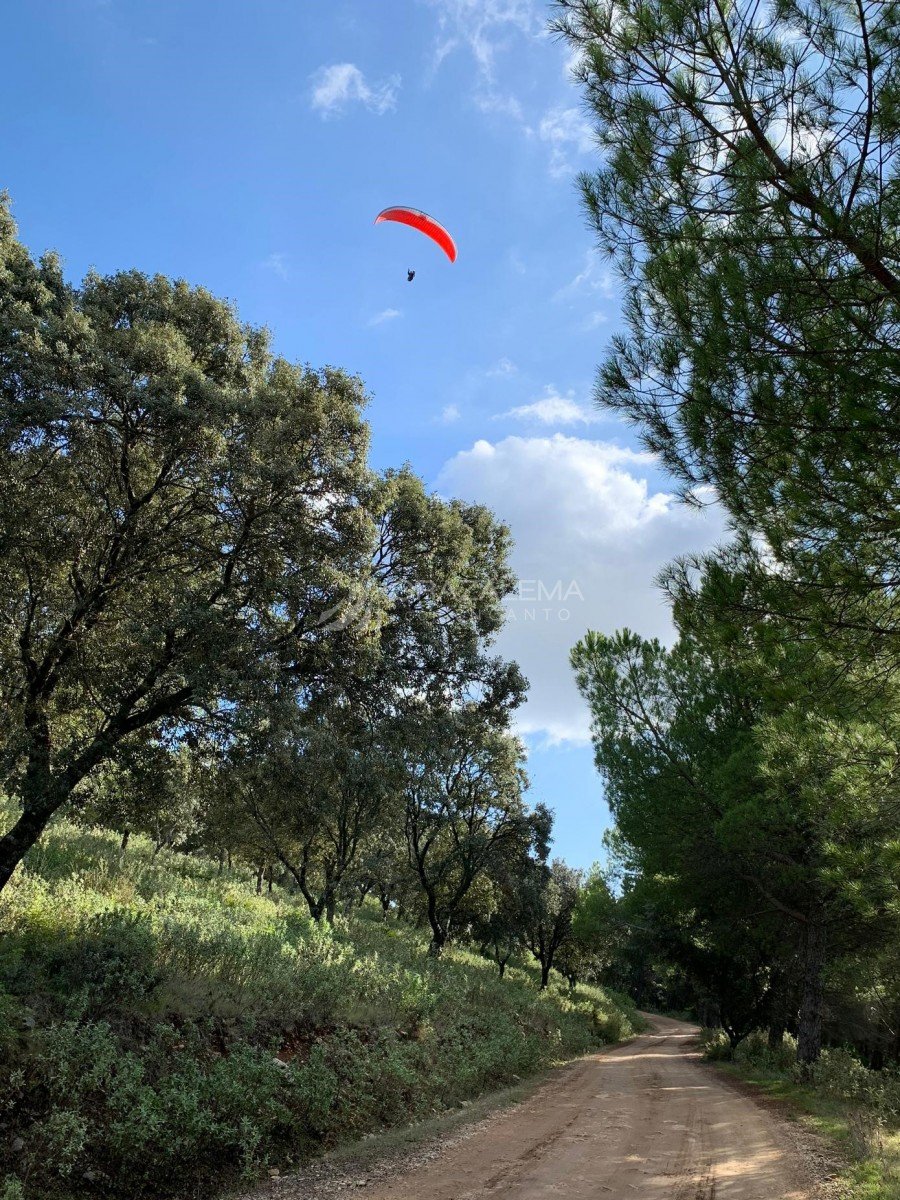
(553, 409)
(503, 366)
(593, 321)
(594, 278)
(277, 264)
(386, 314)
(449, 414)
(485, 28)
(566, 132)
(505, 105)
(336, 87)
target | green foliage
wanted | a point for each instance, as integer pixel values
(748, 192)
(840, 1099)
(176, 458)
(712, 758)
(169, 1028)
(753, 1049)
(716, 1046)
(837, 1073)
(840, 1073)
(191, 538)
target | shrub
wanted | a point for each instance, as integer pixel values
(839, 1073)
(716, 1045)
(167, 1029)
(755, 1049)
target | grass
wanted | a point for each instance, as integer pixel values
(867, 1140)
(164, 1030)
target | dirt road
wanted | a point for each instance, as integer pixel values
(642, 1121)
(646, 1121)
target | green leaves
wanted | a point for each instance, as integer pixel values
(189, 530)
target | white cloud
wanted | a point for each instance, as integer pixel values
(386, 314)
(485, 28)
(449, 414)
(590, 536)
(593, 320)
(277, 264)
(594, 278)
(342, 84)
(503, 366)
(566, 131)
(499, 102)
(554, 409)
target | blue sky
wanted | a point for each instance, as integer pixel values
(247, 146)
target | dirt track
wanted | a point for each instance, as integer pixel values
(645, 1120)
(639, 1122)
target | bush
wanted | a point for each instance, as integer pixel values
(755, 1050)
(167, 1029)
(839, 1073)
(716, 1045)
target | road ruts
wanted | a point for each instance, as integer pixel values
(645, 1121)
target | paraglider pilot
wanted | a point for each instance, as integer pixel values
(410, 276)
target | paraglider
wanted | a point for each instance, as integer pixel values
(425, 224)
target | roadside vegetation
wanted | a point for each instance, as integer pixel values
(269, 876)
(748, 192)
(166, 1030)
(855, 1108)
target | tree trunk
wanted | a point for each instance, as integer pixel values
(809, 1040)
(438, 941)
(259, 880)
(18, 841)
(329, 907)
(545, 974)
(776, 1034)
(269, 874)
(501, 965)
(438, 932)
(123, 845)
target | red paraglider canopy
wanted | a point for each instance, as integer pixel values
(425, 224)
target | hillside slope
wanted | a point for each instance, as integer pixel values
(164, 1030)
